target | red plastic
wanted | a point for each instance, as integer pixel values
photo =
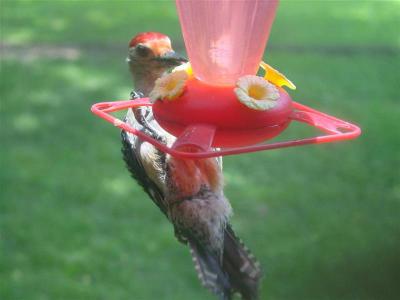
(202, 135)
(237, 125)
(225, 40)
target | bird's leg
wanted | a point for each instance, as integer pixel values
(141, 114)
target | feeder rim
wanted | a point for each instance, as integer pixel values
(336, 129)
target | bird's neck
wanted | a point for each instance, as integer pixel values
(144, 78)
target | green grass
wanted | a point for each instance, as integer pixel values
(323, 220)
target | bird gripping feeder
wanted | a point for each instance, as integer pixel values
(218, 104)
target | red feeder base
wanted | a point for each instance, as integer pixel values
(236, 124)
(204, 136)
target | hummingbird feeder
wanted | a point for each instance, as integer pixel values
(216, 104)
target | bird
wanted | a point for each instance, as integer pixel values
(189, 192)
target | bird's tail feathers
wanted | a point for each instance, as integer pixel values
(240, 271)
(209, 271)
(242, 267)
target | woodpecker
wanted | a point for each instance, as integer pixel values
(188, 191)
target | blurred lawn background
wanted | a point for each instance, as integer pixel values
(323, 220)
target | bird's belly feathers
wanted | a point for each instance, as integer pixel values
(203, 216)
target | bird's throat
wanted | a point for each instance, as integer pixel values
(145, 78)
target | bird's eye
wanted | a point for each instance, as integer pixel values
(142, 50)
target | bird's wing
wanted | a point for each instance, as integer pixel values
(135, 166)
(146, 163)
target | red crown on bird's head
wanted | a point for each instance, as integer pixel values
(146, 37)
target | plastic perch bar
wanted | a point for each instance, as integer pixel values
(201, 136)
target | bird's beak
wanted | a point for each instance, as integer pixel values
(172, 58)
